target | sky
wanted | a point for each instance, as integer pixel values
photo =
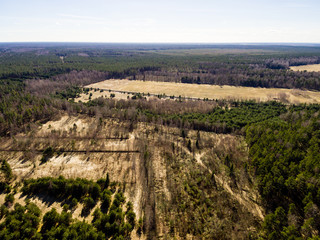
(160, 21)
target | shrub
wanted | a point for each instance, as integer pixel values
(9, 199)
(6, 169)
(47, 154)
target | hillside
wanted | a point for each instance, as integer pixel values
(224, 146)
(151, 178)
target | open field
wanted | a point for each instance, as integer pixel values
(211, 51)
(201, 91)
(309, 68)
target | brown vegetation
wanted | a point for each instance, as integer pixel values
(63, 81)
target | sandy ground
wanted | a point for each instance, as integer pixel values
(122, 167)
(201, 91)
(105, 94)
(139, 176)
(309, 68)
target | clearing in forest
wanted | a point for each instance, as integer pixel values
(122, 87)
(309, 68)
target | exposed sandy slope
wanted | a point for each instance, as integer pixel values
(144, 177)
(242, 196)
(309, 68)
(72, 165)
(122, 167)
(202, 91)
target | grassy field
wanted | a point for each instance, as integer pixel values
(211, 51)
(309, 68)
(201, 91)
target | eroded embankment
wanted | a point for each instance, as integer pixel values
(178, 183)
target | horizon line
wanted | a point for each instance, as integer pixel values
(195, 43)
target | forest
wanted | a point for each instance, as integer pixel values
(40, 81)
(110, 220)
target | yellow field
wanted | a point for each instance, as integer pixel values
(309, 68)
(201, 91)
